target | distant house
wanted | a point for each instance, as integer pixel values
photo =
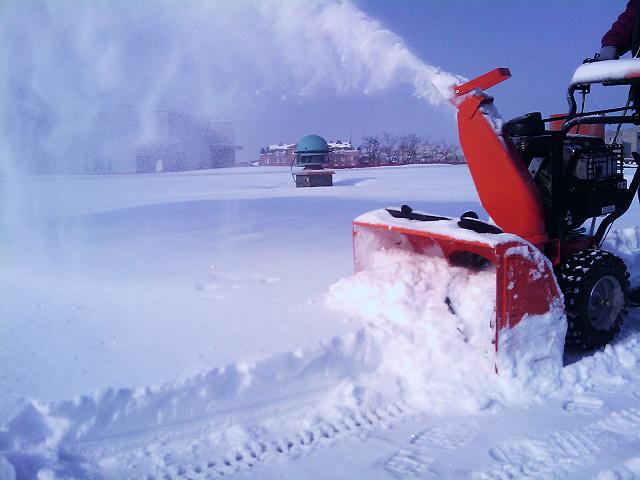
(341, 155)
(281, 154)
(187, 142)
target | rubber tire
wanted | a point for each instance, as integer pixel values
(577, 277)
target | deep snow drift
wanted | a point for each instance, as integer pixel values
(222, 341)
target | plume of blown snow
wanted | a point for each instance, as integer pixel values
(368, 57)
(87, 78)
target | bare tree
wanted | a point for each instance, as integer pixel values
(388, 145)
(448, 153)
(391, 149)
(408, 146)
(371, 146)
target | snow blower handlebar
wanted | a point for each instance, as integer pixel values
(505, 187)
(607, 73)
(633, 119)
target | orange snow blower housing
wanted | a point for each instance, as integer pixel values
(539, 187)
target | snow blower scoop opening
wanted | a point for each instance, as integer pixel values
(467, 282)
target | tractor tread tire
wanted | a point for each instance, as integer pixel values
(576, 277)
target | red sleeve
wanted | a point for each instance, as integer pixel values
(622, 30)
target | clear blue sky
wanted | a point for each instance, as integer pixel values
(224, 60)
(540, 41)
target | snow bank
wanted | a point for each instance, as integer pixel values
(40, 436)
(529, 357)
(432, 323)
(424, 340)
(435, 324)
(608, 368)
(625, 243)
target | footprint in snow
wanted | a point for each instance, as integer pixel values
(584, 405)
(448, 436)
(409, 463)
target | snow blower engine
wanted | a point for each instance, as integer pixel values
(553, 195)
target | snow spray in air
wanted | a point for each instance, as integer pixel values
(88, 78)
(86, 81)
(9, 183)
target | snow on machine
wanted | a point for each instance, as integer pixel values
(540, 187)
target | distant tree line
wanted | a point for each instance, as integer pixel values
(390, 149)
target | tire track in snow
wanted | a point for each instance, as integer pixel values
(416, 461)
(562, 452)
(278, 401)
(584, 405)
(195, 454)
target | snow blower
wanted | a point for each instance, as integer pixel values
(540, 187)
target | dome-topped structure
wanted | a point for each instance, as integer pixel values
(312, 146)
(312, 155)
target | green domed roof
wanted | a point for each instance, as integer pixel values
(312, 145)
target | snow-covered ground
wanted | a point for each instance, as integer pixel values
(208, 324)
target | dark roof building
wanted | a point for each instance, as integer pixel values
(187, 142)
(339, 154)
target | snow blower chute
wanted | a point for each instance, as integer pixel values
(539, 186)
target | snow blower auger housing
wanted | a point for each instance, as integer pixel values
(539, 187)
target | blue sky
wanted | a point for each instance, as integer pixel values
(542, 42)
(247, 62)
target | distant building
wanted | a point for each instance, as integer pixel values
(628, 138)
(187, 142)
(282, 154)
(341, 155)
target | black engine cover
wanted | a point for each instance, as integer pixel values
(593, 184)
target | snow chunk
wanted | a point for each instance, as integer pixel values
(430, 80)
(529, 355)
(433, 322)
(625, 243)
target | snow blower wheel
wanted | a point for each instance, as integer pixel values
(595, 285)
